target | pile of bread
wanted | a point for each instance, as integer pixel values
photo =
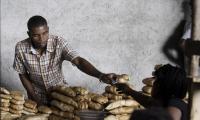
(14, 106)
(120, 106)
(11, 103)
(16, 103)
(67, 101)
(148, 85)
(148, 82)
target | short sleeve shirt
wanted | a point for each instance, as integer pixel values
(187, 31)
(181, 105)
(44, 71)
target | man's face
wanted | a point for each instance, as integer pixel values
(39, 36)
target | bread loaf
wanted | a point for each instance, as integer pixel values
(27, 113)
(64, 99)
(113, 96)
(100, 99)
(44, 109)
(17, 107)
(5, 96)
(62, 106)
(95, 106)
(122, 110)
(17, 102)
(80, 98)
(118, 117)
(111, 89)
(4, 109)
(5, 104)
(147, 89)
(65, 90)
(149, 81)
(18, 112)
(4, 91)
(31, 110)
(82, 105)
(57, 112)
(35, 117)
(122, 78)
(30, 104)
(17, 95)
(4, 100)
(80, 90)
(121, 103)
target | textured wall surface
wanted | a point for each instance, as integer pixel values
(120, 36)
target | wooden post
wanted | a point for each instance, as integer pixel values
(194, 90)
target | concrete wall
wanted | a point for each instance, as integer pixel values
(120, 36)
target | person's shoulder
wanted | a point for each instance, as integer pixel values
(58, 40)
(23, 44)
(179, 103)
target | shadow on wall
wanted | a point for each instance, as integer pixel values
(172, 48)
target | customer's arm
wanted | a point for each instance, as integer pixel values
(144, 100)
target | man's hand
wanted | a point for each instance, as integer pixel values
(109, 78)
(89, 69)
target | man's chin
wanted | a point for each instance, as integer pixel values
(40, 46)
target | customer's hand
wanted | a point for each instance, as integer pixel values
(123, 88)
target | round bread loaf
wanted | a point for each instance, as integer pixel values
(147, 89)
(5, 96)
(17, 95)
(30, 104)
(149, 81)
(44, 109)
(4, 109)
(4, 91)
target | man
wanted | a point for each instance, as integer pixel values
(38, 60)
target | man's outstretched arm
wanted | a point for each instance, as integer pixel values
(89, 69)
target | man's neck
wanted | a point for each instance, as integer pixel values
(40, 51)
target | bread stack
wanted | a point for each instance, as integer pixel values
(112, 94)
(63, 103)
(17, 101)
(111, 91)
(121, 106)
(5, 102)
(147, 88)
(149, 81)
(30, 107)
(5, 98)
(121, 109)
(97, 102)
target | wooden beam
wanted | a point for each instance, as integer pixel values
(192, 47)
(195, 35)
(194, 90)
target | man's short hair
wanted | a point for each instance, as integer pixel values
(36, 21)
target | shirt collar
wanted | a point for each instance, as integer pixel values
(50, 47)
(50, 44)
